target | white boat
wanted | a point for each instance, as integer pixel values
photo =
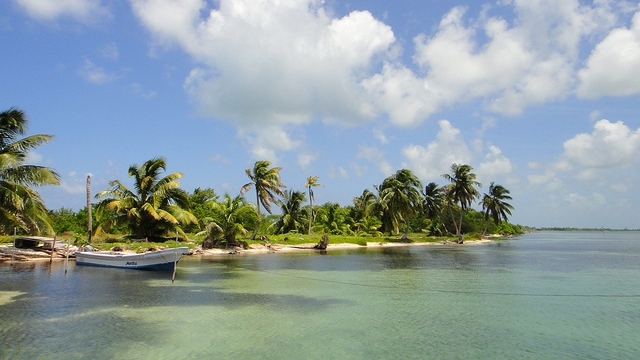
(153, 260)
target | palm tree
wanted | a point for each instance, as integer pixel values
(462, 190)
(494, 204)
(312, 181)
(291, 218)
(333, 219)
(400, 194)
(364, 213)
(200, 207)
(433, 200)
(367, 225)
(21, 207)
(156, 206)
(378, 207)
(229, 218)
(363, 204)
(267, 183)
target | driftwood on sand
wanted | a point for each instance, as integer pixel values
(322, 245)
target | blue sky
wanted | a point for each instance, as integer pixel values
(540, 96)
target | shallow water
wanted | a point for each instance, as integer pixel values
(541, 296)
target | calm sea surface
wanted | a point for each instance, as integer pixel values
(547, 295)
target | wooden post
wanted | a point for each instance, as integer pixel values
(53, 246)
(175, 260)
(66, 260)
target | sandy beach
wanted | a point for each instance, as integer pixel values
(10, 253)
(259, 249)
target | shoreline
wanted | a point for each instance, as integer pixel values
(10, 254)
(261, 249)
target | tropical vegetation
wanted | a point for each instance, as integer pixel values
(399, 199)
(152, 209)
(398, 208)
(292, 218)
(22, 210)
(229, 219)
(312, 181)
(495, 205)
(461, 190)
(155, 208)
(267, 184)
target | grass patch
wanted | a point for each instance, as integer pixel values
(107, 242)
(6, 239)
(297, 239)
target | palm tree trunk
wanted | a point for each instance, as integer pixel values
(455, 223)
(310, 213)
(486, 226)
(406, 231)
(255, 232)
(460, 241)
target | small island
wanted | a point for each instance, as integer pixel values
(154, 212)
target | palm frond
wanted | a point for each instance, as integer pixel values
(31, 175)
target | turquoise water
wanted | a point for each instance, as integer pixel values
(540, 296)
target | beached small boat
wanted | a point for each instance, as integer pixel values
(153, 260)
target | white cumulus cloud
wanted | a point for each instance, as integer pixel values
(266, 141)
(435, 159)
(613, 68)
(494, 164)
(610, 145)
(274, 62)
(508, 64)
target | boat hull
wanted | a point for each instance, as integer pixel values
(154, 260)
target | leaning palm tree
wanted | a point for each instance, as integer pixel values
(21, 207)
(494, 204)
(400, 193)
(292, 214)
(267, 183)
(432, 200)
(312, 181)
(155, 206)
(229, 218)
(462, 190)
